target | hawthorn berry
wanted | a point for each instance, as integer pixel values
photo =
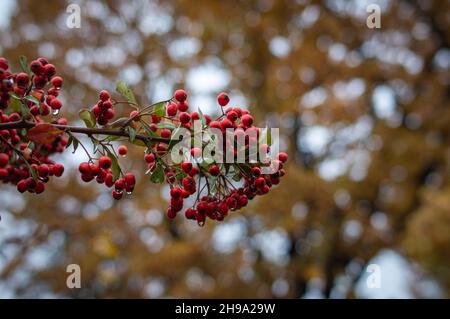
(149, 158)
(186, 166)
(104, 95)
(247, 120)
(4, 159)
(116, 194)
(180, 95)
(105, 162)
(185, 117)
(283, 157)
(183, 106)
(122, 150)
(214, 170)
(223, 99)
(55, 104)
(172, 109)
(129, 179)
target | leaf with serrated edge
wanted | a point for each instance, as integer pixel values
(159, 109)
(126, 92)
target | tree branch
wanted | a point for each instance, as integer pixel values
(83, 130)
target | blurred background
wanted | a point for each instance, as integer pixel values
(364, 115)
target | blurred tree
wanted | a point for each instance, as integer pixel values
(364, 113)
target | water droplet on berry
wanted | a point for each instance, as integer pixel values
(129, 193)
(55, 112)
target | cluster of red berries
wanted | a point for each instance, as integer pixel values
(23, 163)
(229, 197)
(101, 171)
(103, 110)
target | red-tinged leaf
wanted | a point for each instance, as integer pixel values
(43, 133)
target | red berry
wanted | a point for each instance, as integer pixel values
(260, 182)
(166, 133)
(87, 177)
(283, 157)
(247, 120)
(22, 80)
(14, 117)
(43, 170)
(232, 116)
(85, 168)
(3, 173)
(214, 170)
(172, 109)
(123, 150)
(4, 64)
(104, 95)
(185, 117)
(223, 99)
(97, 110)
(4, 159)
(36, 67)
(180, 95)
(39, 188)
(183, 106)
(190, 213)
(22, 186)
(119, 184)
(134, 116)
(49, 70)
(130, 179)
(109, 114)
(171, 213)
(176, 193)
(117, 195)
(186, 166)
(149, 158)
(109, 180)
(105, 162)
(57, 81)
(55, 104)
(256, 171)
(58, 170)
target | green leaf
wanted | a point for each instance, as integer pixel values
(168, 125)
(15, 105)
(87, 117)
(69, 141)
(132, 134)
(202, 117)
(32, 99)
(33, 173)
(14, 95)
(115, 168)
(125, 91)
(25, 110)
(111, 138)
(157, 175)
(159, 109)
(75, 144)
(24, 63)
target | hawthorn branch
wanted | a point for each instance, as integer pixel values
(84, 130)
